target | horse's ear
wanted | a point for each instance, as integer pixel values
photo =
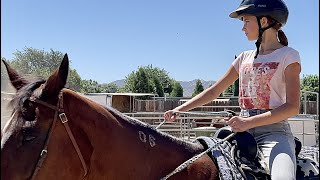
(57, 79)
(16, 80)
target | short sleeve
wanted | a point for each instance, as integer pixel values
(292, 57)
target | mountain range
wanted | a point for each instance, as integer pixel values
(188, 86)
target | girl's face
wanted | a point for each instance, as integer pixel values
(250, 27)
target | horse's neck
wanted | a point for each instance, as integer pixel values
(130, 140)
(88, 115)
(159, 150)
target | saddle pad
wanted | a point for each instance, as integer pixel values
(221, 153)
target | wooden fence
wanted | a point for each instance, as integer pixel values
(311, 107)
(157, 105)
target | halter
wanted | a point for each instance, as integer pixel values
(59, 111)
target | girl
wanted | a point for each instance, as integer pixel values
(269, 85)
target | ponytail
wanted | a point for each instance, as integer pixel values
(282, 38)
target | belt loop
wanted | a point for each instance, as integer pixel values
(245, 113)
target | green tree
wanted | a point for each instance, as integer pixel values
(74, 80)
(229, 89)
(198, 89)
(142, 82)
(236, 88)
(162, 76)
(36, 62)
(177, 90)
(232, 89)
(89, 86)
(130, 81)
(158, 79)
(236, 85)
(109, 88)
(158, 88)
(40, 63)
(121, 90)
(310, 83)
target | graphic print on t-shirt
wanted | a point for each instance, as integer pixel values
(255, 85)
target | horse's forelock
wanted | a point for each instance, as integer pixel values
(23, 95)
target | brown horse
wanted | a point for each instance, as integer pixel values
(56, 133)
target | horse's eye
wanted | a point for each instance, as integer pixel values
(28, 138)
(29, 114)
(27, 104)
(27, 135)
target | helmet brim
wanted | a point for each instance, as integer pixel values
(236, 13)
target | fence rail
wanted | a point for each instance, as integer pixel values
(306, 107)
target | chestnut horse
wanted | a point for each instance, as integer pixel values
(56, 133)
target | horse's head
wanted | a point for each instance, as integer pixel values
(25, 134)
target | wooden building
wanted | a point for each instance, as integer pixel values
(123, 102)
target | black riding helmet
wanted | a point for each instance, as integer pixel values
(275, 9)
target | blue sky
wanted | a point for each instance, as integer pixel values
(106, 40)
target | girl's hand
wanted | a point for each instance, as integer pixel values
(239, 124)
(170, 115)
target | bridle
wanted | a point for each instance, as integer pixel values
(59, 111)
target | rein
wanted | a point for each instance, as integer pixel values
(225, 113)
(59, 111)
(194, 158)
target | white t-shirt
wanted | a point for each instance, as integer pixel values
(262, 80)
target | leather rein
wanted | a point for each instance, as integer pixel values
(59, 111)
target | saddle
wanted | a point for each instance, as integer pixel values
(246, 154)
(249, 158)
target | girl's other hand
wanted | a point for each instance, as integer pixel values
(238, 124)
(170, 115)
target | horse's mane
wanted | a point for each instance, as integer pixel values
(18, 102)
(149, 128)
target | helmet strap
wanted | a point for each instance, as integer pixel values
(261, 30)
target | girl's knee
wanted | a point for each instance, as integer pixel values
(283, 168)
(283, 176)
